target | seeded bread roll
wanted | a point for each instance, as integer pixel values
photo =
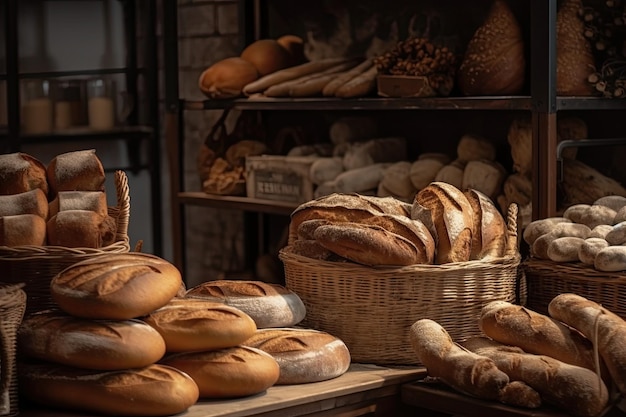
(22, 229)
(116, 286)
(303, 355)
(76, 171)
(155, 390)
(95, 201)
(28, 202)
(233, 372)
(269, 305)
(188, 324)
(92, 344)
(81, 229)
(20, 172)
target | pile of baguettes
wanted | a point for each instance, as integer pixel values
(572, 358)
(442, 225)
(61, 204)
(127, 338)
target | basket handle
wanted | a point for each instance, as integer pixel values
(123, 203)
(511, 229)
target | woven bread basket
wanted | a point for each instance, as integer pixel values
(12, 307)
(546, 279)
(372, 308)
(35, 266)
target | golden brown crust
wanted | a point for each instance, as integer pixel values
(76, 171)
(28, 202)
(22, 229)
(81, 229)
(489, 236)
(20, 172)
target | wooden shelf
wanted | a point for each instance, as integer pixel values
(80, 133)
(236, 203)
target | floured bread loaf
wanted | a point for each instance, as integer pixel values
(489, 236)
(269, 305)
(229, 372)
(28, 202)
(22, 229)
(95, 201)
(76, 171)
(20, 172)
(92, 344)
(303, 355)
(81, 228)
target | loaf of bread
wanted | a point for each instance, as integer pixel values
(452, 173)
(76, 171)
(28, 202)
(489, 236)
(188, 324)
(155, 390)
(91, 344)
(611, 259)
(484, 175)
(22, 229)
(397, 179)
(539, 248)
(475, 147)
(95, 201)
(565, 249)
(81, 229)
(540, 227)
(311, 248)
(232, 372)
(614, 202)
(578, 390)
(424, 170)
(303, 355)
(617, 234)
(589, 249)
(269, 305)
(20, 172)
(116, 286)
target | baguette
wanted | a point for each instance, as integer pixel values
(331, 88)
(359, 86)
(290, 73)
(315, 86)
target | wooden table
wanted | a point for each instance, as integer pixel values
(363, 390)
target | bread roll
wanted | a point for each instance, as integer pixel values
(617, 235)
(474, 147)
(233, 372)
(611, 259)
(565, 249)
(226, 78)
(606, 330)
(424, 171)
(489, 236)
(155, 390)
(596, 215)
(575, 212)
(92, 344)
(116, 286)
(76, 171)
(620, 215)
(20, 172)
(485, 176)
(22, 229)
(452, 173)
(396, 179)
(540, 227)
(375, 151)
(195, 324)
(303, 355)
(615, 202)
(325, 169)
(269, 305)
(28, 202)
(589, 249)
(95, 201)
(360, 179)
(600, 231)
(539, 248)
(453, 219)
(81, 229)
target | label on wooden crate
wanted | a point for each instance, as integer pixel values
(279, 178)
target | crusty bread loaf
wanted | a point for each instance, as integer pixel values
(20, 172)
(311, 248)
(573, 388)
(485, 176)
(92, 344)
(22, 229)
(188, 324)
(233, 372)
(614, 202)
(303, 355)
(452, 173)
(116, 286)
(617, 234)
(28, 202)
(596, 214)
(475, 147)
(600, 231)
(95, 201)
(611, 259)
(565, 249)
(539, 248)
(155, 390)
(81, 229)
(540, 227)
(269, 305)
(489, 236)
(575, 212)
(76, 171)
(589, 249)
(453, 219)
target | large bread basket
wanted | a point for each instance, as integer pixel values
(35, 266)
(371, 309)
(12, 307)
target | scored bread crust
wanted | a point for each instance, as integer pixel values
(489, 236)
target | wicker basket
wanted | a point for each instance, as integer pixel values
(12, 307)
(547, 279)
(35, 266)
(371, 309)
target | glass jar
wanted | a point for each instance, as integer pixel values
(37, 113)
(69, 104)
(101, 103)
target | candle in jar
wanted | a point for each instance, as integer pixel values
(101, 113)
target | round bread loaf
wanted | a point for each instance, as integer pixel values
(116, 286)
(20, 172)
(76, 171)
(303, 355)
(154, 390)
(189, 324)
(227, 373)
(269, 305)
(92, 344)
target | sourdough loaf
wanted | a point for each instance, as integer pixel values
(76, 171)
(489, 236)
(20, 172)
(81, 228)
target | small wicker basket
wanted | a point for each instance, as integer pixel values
(372, 309)
(35, 266)
(12, 307)
(547, 279)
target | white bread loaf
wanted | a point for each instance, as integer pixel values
(600, 231)
(155, 390)
(539, 248)
(596, 215)
(233, 372)
(489, 236)
(81, 228)
(620, 215)
(617, 234)
(360, 179)
(615, 202)
(188, 324)
(424, 170)
(396, 178)
(303, 355)
(452, 173)
(269, 305)
(475, 147)
(565, 249)
(116, 286)
(484, 175)
(76, 171)
(575, 212)
(540, 227)
(590, 248)
(20, 172)
(95, 201)
(92, 344)
(611, 259)
(22, 229)
(28, 202)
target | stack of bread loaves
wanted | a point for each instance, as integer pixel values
(303, 355)
(442, 225)
(572, 358)
(63, 204)
(92, 353)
